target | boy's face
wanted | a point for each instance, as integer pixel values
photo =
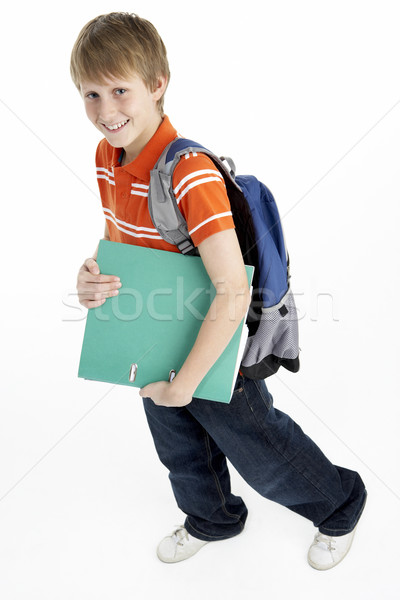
(124, 110)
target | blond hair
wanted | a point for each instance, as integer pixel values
(118, 45)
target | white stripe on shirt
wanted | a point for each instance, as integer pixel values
(196, 174)
(110, 173)
(140, 186)
(111, 181)
(225, 214)
(195, 184)
(131, 233)
(137, 193)
(114, 219)
(188, 154)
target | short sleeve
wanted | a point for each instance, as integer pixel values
(201, 195)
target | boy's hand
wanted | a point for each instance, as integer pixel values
(93, 288)
(164, 393)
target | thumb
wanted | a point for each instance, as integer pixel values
(92, 265)
(145, 392)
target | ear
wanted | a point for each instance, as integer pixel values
(161, 86)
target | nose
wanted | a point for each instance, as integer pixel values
(108, 110)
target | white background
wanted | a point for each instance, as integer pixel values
(303, 94)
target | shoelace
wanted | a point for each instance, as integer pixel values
(329, 541)
(180, 534)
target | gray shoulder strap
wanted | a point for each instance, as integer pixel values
(163, 207)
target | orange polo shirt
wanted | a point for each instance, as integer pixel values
(198, 186)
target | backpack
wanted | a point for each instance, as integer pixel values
(272, 316)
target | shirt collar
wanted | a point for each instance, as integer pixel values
(144, 163)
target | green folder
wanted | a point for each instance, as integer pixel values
(149, 328)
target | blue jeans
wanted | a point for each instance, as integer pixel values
(267, 448)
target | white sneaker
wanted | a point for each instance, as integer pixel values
(178, 546)
(327, 551)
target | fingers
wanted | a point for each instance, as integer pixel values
(93, 298)
(94, 287)
(92, 266)
(87, 287)
(91, 303)
(90, 271)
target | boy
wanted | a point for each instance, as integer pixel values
(120, 68)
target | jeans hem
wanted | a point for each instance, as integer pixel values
(210, 538)
(339, 532)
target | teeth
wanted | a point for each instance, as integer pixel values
(117, 126)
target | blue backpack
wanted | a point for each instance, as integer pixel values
(272, 316)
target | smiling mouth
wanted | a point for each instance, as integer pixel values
(116, 127)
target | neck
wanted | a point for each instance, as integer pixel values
(133, 150)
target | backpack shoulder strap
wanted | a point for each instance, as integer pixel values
(163, 208)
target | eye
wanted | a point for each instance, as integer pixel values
(120, 91)
(92, 95)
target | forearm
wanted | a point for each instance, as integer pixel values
(222, 258)
(222, 320)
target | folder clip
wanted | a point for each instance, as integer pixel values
(132, 372)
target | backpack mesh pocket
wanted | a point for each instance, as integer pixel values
(275, 343)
